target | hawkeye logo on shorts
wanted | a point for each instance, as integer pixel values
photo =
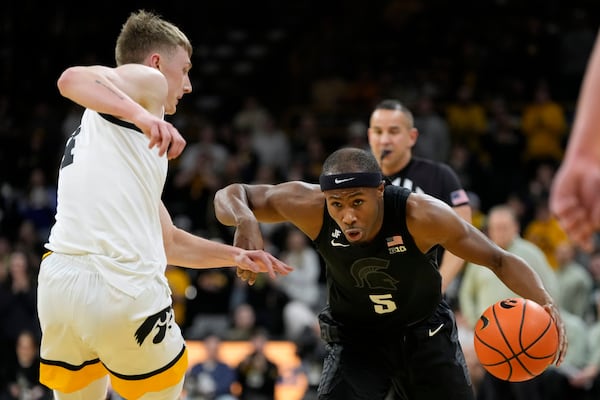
(161, 321)
(395, 244)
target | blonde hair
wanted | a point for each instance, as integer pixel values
(145, 32)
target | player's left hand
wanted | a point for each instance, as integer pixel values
(260, 261)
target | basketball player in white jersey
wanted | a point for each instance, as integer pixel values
(103, 300)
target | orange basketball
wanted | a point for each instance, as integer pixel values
(516, 339)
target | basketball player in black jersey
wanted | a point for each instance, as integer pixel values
(386, 323)
(392, 135)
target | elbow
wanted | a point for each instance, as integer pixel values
(222, 203)
(169, 245)
(218, 203)
(66, 81)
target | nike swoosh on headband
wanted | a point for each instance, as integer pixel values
(338, 181)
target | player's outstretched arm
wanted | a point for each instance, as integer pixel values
(187, 250)
(574, 197)
(431, 222)
(243, 206)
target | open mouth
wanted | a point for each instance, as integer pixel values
(353, 235)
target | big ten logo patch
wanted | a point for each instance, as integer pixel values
(395, 244)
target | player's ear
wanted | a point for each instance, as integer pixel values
(154, 61)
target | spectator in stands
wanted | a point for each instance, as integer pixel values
(210, 379)
(243, 323)
(574, 281)
(257, 374)
(545, 231)
(479, 287)
(17, 304)
(434, 136)
(467, 119)
(544, 125)
(23, 379)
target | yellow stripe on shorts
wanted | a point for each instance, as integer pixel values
(134, 386)
(69, 378)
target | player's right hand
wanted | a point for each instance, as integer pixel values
(574, 200)
(162, 134)
(167, 138)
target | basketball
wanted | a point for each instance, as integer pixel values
(516, 339)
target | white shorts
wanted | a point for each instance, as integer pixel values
(90, 329)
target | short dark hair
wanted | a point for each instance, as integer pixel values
(396, 105)
(350, 159)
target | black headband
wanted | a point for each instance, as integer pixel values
(350, 180)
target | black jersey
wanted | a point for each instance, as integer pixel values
(432, 178)
(385, 284)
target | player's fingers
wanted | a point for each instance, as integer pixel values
(577, 225)
(582, 236)
(246, 276)
(175, 149)
(154, 136)
(265, 260)
(560, 204)
(165, 142)
(276, 266)
(252, 277)
(586, 243)
(281, 267)
(595, 217)
(562, 336)
(177, 145)
(571, 217)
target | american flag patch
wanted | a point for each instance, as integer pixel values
(459, 197)
(394, 241)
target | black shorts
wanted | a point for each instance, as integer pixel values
(423, 362)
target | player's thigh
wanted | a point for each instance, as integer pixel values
(65, 286)
(435, 358)
(96, 390)
(352, 375)
(141, 345)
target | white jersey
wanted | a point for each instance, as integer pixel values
(109, 191)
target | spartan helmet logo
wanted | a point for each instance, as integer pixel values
(370, 272)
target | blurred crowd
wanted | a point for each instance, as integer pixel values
(492, 87)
